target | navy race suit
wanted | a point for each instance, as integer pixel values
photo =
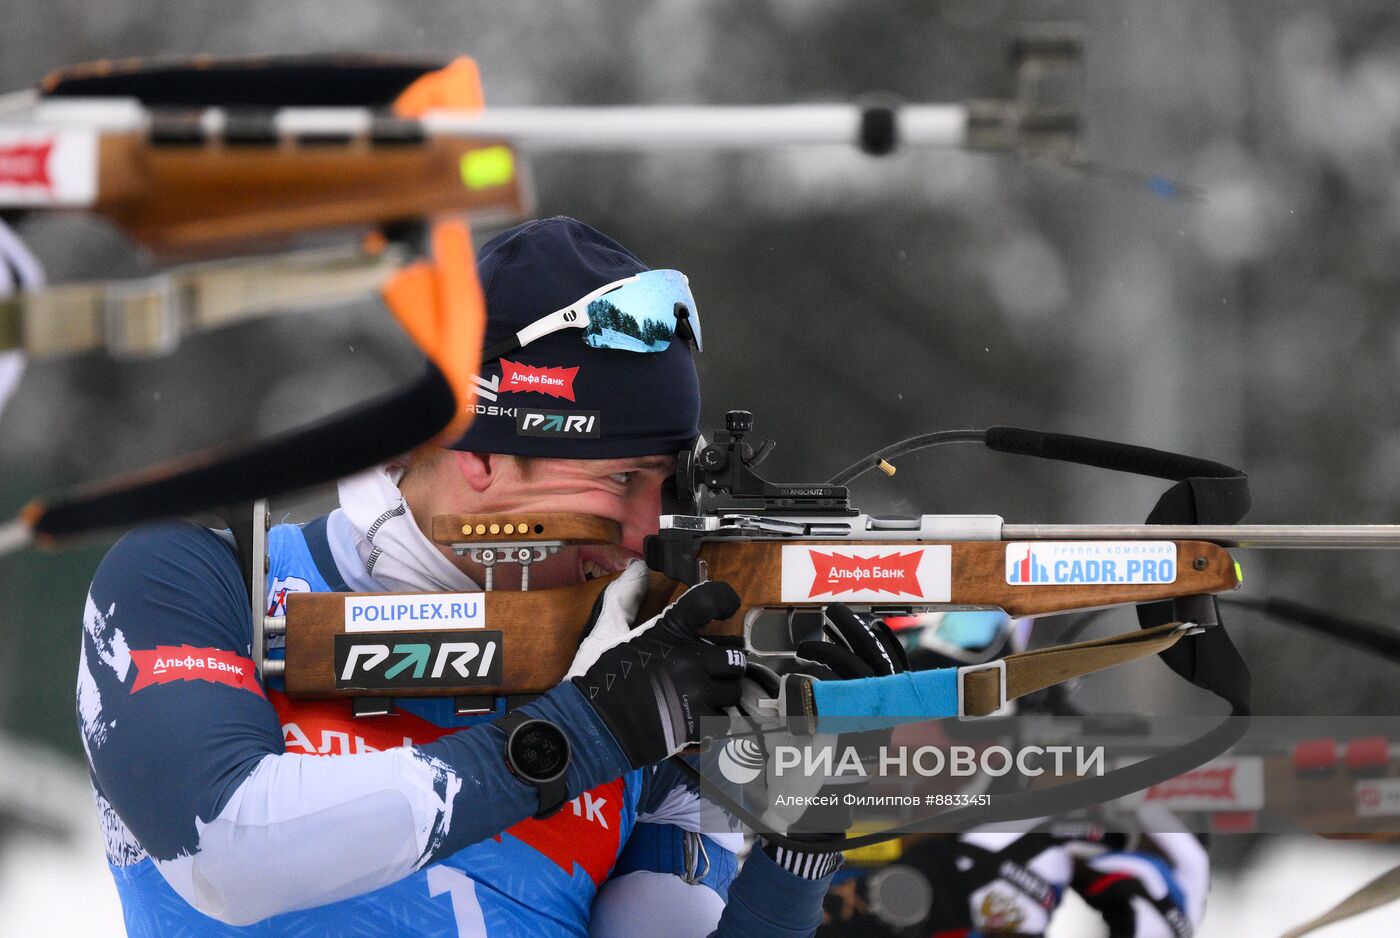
(229, 808)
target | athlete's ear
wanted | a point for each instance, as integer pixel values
(479, 469)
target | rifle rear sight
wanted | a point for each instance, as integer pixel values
(719, 478)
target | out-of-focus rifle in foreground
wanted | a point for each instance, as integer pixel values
(199, 157)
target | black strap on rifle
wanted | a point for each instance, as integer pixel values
(1211, 662)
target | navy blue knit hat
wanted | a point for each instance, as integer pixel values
(597, 403)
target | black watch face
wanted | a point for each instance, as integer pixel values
(539, 752)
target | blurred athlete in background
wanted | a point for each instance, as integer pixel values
(1012, 882)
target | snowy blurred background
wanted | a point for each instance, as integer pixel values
(849, 302)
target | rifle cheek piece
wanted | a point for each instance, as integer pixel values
(675, 554)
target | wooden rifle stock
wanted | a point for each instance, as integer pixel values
(180, 200)
(195, 156)
(541, 630)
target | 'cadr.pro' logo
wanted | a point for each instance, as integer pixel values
(1028, 569)
(1065, 563)
(418, 659)
(577, 424)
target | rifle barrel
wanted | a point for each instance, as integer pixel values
(573, 128)
(1306, 536)
(668, 127)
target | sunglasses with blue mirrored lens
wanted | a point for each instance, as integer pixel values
(640, 313)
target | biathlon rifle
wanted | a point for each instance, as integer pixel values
(194, 155)
(791, 549)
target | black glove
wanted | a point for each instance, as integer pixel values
(654, 689)
(858, 648)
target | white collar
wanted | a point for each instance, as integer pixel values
(377, 543)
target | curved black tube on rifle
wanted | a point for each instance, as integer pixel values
(1106, 454)
(904, 447)
(1062, 447)
(344, 443)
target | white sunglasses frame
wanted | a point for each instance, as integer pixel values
(573, 316)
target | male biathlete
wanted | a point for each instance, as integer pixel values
(229, 808)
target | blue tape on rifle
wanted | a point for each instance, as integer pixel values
(927, 694)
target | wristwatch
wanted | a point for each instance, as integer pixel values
(537, 753)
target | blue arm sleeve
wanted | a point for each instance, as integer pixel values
(661, 848)
(170, 744)
(766, 901)
(178, 731)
